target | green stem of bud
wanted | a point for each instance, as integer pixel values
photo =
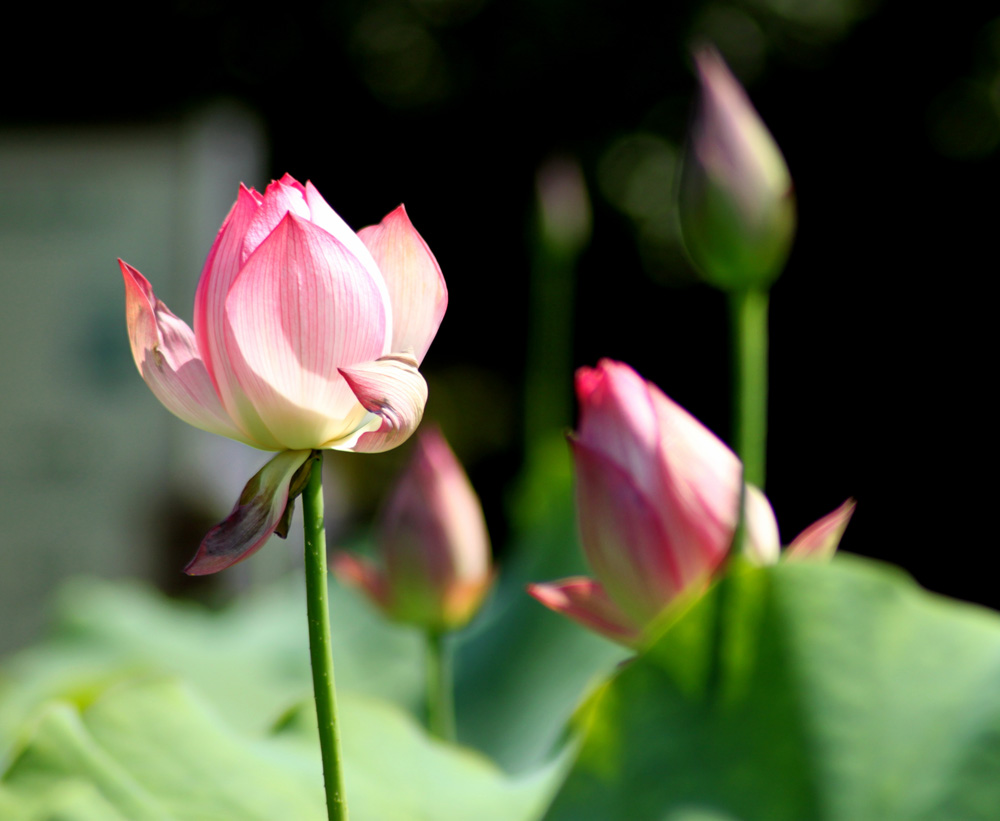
(318, 610)
(748, 317)
(440, 689)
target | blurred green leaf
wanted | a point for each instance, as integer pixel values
(843, 691)
(152, 750)
(250, 659)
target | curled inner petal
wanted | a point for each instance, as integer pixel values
(393, 390)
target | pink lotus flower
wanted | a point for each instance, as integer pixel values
(657, 502)
(306, 336)
(432, 541)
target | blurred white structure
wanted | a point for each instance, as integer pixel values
(82, 439)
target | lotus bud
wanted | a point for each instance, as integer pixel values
(658, 498)
(737, 206)
(433, 544)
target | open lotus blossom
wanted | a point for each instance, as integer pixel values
(657, 506)
(306, 336)
(434, 550)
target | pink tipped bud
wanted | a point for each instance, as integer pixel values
(658, 496)
(737, 206)
(432, 539)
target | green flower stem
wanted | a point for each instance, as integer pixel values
(440, 693)
(319, 641)
(748, 318)
(721, 613)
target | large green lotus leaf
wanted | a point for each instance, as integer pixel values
(842, 692)
(250, 658)
(521, 670)
(151, 749)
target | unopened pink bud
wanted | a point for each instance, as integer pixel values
(434, 549)
(737, 206)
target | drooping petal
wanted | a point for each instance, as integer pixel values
(166, 355)
(393, 390)
(624, 538)
(821, 539)
(416, 286)
(301, 308)
(221, 268)
(257, 514)
(588, 604)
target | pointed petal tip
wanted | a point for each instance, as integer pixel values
(822, 538)
(416, 287)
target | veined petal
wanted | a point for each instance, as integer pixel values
(301, 308)
(700, 483)
(221, 268)
(392, 389)
(321, 214)
(821, 539)
(617, 418)
(586, 602)
(625, 541)
(288, 179)
(257, 514)
(416, 286)
(166, 355)
(284, 196)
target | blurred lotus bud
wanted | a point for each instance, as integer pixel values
(563, 204)
(432, 539)
(737, 206)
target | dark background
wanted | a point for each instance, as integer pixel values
(888, 119)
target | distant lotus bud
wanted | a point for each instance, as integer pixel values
(737, 206)
(432, 540)
(563, 204)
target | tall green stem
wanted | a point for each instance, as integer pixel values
(440, 693)
(319, 641)
(748, 317)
